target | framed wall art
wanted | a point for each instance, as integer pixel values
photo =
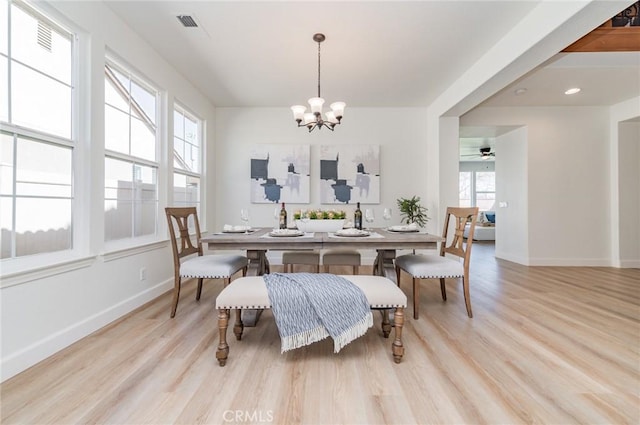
(350, 174)
(280, 173)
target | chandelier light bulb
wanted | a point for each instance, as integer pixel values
(298, 112)
(316, 104)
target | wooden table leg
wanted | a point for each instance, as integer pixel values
(397, 348)
(223, 348)
(383, 264)
(258, 263)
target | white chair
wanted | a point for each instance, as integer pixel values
(199, 267)
(439, 266)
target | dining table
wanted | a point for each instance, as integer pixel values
(258, 242)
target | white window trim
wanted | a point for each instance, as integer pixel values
(39, 266)
(18, 270)
(131, 244)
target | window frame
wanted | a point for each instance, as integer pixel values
(473, 168)
(117, 245)
(186, 112)
(14, 267)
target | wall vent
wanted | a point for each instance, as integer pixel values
(187, 21)
(44, 36)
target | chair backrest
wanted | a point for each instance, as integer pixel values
(179, 217)
(458, 246)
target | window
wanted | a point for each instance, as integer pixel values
(187, 142)
(131, 165)
(477, 188)
(36, 144)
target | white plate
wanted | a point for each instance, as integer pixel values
(352, 233)
(237, 230)
(285, 233)
(403, 229)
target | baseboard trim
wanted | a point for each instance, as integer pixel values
(571, 262)
(630, 264)
(46, 347)
(513, 258)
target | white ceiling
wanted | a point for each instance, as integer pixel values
(377, 53)
(604, 78)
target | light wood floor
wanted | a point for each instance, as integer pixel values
(547, 345)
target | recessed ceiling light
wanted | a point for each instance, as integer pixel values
(573, 90)
(520, 91)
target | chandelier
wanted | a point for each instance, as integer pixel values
(314, 119)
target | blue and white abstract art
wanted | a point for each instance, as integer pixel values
(280, 173)
(350, 174)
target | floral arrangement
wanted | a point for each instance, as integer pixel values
(321, 214)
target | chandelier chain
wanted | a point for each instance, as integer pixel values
(319, 69)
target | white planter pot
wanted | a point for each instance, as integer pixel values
(319, 225)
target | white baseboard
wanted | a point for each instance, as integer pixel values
(40, 350)
(510, 257)
(630, 264)
(571, 262)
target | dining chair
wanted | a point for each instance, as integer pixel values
(442, 267)
(300, 257)
(341, 257)
(219, 266)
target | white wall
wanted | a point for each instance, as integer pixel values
(512, 228)
(568, 180)
(400, 132)
(629, 193)
(44, 311)
(622, 181)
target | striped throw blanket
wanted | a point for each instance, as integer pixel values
(309, 307)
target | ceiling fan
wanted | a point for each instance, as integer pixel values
(485, 153)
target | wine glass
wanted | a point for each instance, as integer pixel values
(369, 216)
(386, 214)
(244, 216)
(276, 217)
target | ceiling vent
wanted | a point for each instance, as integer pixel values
(187, 21)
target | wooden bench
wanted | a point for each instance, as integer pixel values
(251, 293)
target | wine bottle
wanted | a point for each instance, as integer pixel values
(357, 218)
(283, 217)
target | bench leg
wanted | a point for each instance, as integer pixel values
(223, 348)
(238, 327)
(386, 325)
(397, 348)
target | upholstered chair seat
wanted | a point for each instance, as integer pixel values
(212, 266)
(430, 266)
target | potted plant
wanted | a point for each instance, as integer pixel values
(412, 212)
(319, 220)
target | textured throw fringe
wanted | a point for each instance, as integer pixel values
(355, 331)
(301, 339)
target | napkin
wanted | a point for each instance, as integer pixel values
(232, 228)
(406, 227)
